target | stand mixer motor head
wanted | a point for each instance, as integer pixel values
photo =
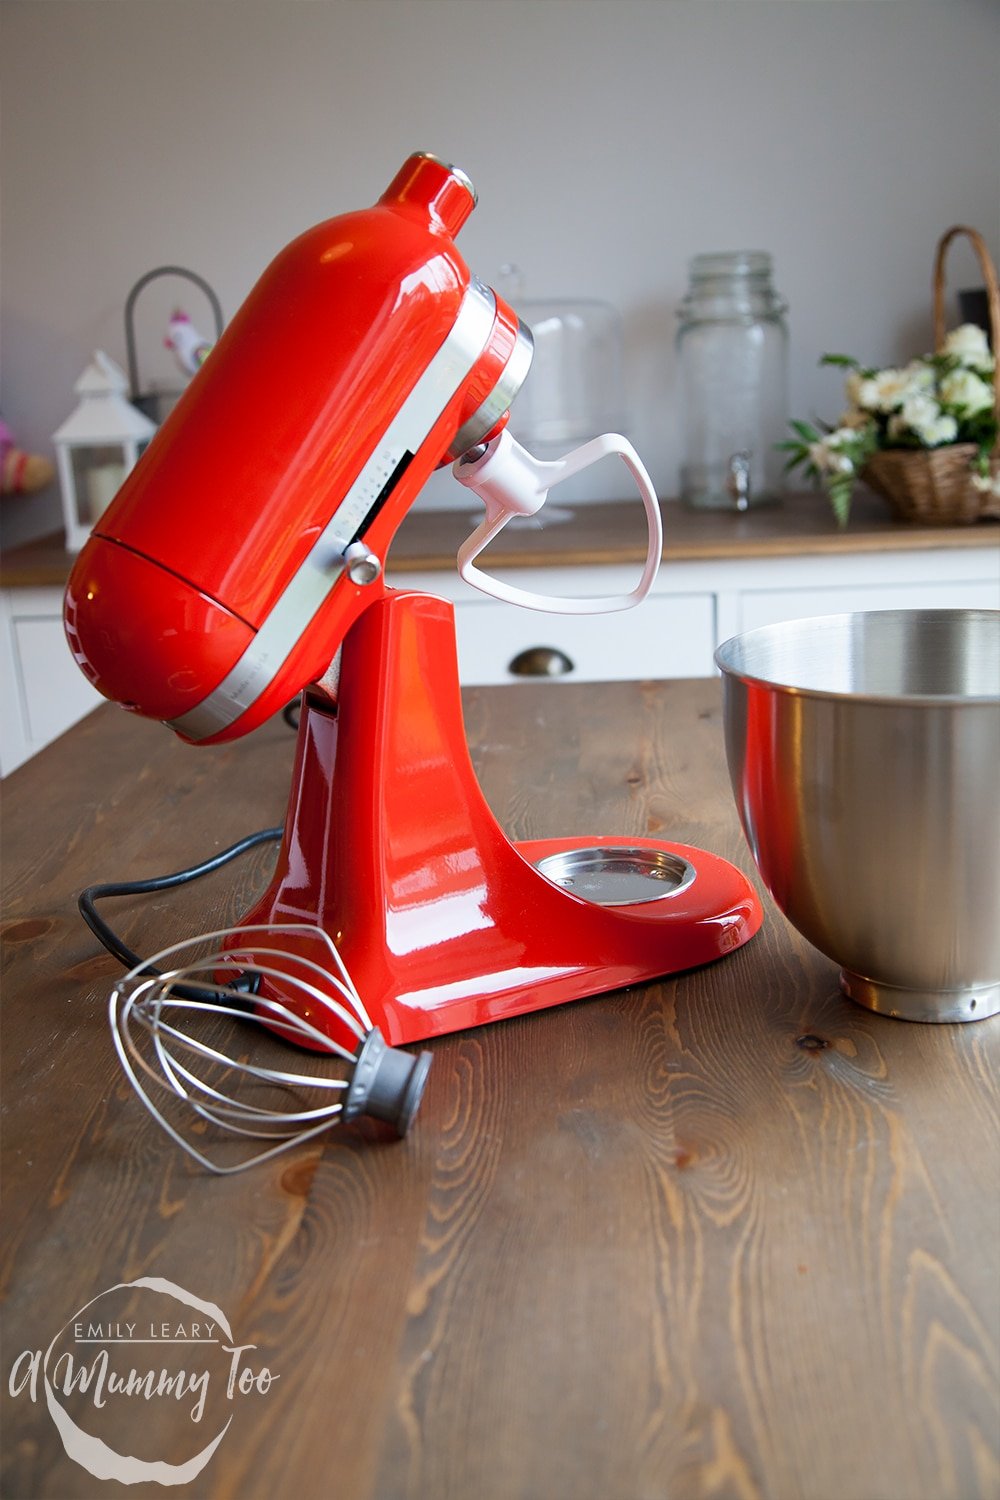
(253, 532)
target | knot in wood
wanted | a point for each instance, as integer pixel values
(811, 1043)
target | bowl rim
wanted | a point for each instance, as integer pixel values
(832, 695)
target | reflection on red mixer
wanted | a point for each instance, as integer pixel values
(254, 530)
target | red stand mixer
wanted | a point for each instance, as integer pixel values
(242, 563)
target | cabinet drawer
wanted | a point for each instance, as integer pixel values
(663, 637)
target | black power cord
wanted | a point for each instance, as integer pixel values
(105, 934)
(110, 939)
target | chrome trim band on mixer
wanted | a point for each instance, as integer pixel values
(513, 376)
(310, 586)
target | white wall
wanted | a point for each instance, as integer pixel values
(610, 140)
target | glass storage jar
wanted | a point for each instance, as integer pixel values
(732, 353)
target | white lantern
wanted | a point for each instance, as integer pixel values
(97, 446)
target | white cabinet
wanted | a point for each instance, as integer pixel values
(670, 635)
(696, 605)
(42, 690)
(921, 580)
(671, 638)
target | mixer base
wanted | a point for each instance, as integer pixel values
(442, 921)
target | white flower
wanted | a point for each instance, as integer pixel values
(919, 411)
(966, 392)
(968, 344)
(886, 390)
(921, 377)
(827, 454)
(934, 434)
(922, 418)
(986, 484)
(871, 390)
(819, 456)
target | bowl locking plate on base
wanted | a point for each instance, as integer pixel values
(618, 875)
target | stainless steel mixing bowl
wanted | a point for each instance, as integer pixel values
(864, 752)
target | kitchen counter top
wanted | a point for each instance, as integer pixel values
(615, 532)
(725, 1234)
(611, 532)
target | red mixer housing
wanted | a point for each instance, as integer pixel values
(253, 532)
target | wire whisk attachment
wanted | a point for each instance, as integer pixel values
(171, 1015)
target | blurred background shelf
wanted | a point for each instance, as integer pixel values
(721, 574)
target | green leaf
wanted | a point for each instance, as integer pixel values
(841, 491)
(806, 433)
(845, 361)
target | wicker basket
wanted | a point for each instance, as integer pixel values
(933, 486)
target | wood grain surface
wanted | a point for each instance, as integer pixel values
(725, 1235)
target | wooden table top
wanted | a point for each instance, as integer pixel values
(611, 531)
(724, 1235)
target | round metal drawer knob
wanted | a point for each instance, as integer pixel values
(540, 661)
